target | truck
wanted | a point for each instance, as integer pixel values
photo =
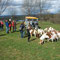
(30, 20)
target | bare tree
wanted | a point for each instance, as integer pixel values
(29, 6)
(42, 4)
(3, 5)
(12, 11)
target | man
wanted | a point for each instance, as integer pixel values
(0, 25)
(33, 25)
(7, 26)
(13, 25)
(22, 30)
(36, 25)
(28, 32)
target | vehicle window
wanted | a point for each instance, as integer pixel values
(29, 19)
(34, 19)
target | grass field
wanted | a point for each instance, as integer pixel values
(12, 47)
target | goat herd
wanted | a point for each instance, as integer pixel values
(50, 34)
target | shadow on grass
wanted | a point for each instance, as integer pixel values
(18, 31)
(25, 36)
(33, 39)
(2, 34)
(15, 31)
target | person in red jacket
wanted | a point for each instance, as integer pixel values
(13, 25)
(2, 24)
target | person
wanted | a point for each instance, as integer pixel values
(22, 29)
(33, 25)
(28, 32)
(0, 25)
(13, 25)
(36, 25)
(7, 26)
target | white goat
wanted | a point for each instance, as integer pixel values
(53, 37)
(58, 34)
(43, 37)
(40, 31)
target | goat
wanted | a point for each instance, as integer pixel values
(43, 37)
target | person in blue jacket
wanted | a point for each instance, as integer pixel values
(7, 26)
(22, 27)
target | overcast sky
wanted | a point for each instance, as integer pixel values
(15, 4)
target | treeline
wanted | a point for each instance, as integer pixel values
(55, 18)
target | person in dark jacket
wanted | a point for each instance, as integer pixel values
(7, 26)
(15, 26)
(0, 25)
(28, 32)
(33, 25)
(22, 30)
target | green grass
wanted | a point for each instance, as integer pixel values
(12, 47)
